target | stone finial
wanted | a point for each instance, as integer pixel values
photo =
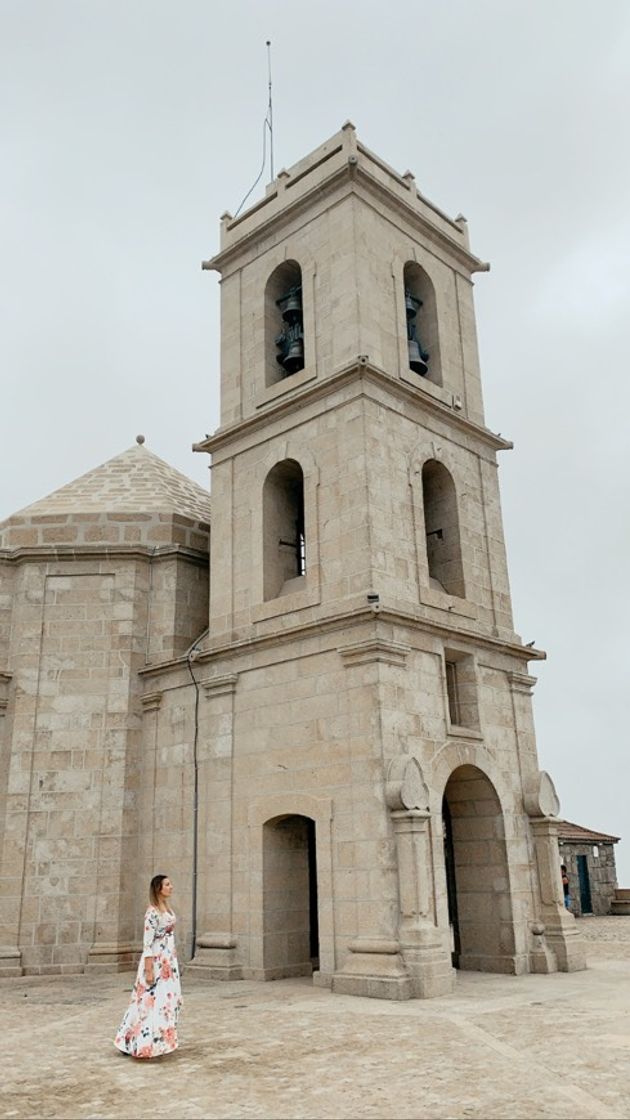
(281, 180)
(140, 440)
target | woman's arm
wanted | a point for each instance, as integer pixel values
(150, 930)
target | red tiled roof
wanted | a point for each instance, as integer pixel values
(569, 831)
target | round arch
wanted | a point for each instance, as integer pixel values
(480, 904)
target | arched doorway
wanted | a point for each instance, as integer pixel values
(290, 915)
(478, 886)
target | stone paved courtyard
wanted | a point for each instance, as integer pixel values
(503, 1047)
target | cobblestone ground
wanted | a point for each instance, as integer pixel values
(499, 1047)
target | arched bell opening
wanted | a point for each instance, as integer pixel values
(290, 905)
(284, 536)
(441, 526)
(423, 343)
(284, 323)
(477, 878)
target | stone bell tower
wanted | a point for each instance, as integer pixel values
(371, 807)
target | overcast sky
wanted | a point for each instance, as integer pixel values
(128, 127)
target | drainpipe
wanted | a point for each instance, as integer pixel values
(190, 657)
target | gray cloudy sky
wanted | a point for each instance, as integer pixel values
(128, 126)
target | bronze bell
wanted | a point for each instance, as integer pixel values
(412, 305)
(290, 341)
(290, 305)
(417, 357)
(294, 358)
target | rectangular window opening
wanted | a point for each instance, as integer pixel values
(452, 690)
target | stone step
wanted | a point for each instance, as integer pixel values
(620, 906)
(622, 894)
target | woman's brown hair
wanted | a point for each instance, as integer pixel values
(154, 889)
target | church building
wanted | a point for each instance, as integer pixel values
(304, 701)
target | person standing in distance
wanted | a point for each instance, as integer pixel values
(566, 886)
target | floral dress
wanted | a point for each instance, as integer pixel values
(149, 1027)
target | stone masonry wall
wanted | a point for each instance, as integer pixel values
(320, 718)
(602, 874)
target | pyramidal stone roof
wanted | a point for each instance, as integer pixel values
(136, 481)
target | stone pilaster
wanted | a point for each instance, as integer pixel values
(560, 932)
(374, 965)
(422, 944)
(215, 950)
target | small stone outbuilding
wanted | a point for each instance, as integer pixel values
(590, 861)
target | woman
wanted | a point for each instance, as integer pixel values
(149, 1028)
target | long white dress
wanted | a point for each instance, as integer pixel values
(149, 1027)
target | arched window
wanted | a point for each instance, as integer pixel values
(441, 525)
(284, 323)
(284, 541)
(422, 328)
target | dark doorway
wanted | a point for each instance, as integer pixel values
(586, 904)
(451, 885)
(312, 892)
(290, 911)
(477, 874)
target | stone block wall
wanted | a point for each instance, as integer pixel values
(80, 530)
(602, 874)
(86, 614)
(165, 803)
(352, 258)
(308, 727)
(362, 460)
(68, 826)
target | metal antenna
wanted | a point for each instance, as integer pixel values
(270, 109)
(267, 127)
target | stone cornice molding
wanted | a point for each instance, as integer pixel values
(151, 701)
(375, 649)
(224, 685)
(341, 621)
(353, 172)
(5, 679)
(362, 372)
(522, 682)
(60, 552)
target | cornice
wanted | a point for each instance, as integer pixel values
(5, 679)
(375, 649)
(51, 553)
(151, 701)
(224, 685)
(522, 682)
(361, 369)
(353, 171)
(342, 621)
(467, 260)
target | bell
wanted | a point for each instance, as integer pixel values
(417, 358)
(293, 360)
(412, 305)
(290, 305)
